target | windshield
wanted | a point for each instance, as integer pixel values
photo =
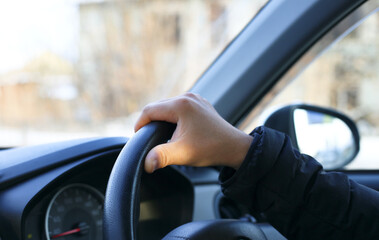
(74, 68)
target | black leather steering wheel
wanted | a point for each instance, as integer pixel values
(121, 206)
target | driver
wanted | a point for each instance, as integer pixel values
(264, 172)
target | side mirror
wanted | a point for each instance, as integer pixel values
(330, 137)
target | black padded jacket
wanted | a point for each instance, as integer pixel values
(298, 198)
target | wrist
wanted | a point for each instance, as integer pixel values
(243, 145)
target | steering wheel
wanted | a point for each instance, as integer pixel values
(121, 206)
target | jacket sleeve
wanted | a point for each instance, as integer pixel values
(298, 198)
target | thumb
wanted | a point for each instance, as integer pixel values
(161, 156)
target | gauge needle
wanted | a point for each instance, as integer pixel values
(72, 231)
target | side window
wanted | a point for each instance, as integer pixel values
(345, 78)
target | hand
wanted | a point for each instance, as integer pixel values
(202, 137)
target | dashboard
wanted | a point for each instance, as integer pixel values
(65, 200)
(56, 191)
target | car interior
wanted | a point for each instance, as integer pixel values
(95, 188)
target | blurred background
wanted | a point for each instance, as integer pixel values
(84, 68)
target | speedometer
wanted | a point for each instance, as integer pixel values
(75, 212)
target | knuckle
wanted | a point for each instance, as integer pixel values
(147, 109)
(190, 95)
(185, 102)
(195, 98)
(198, 96)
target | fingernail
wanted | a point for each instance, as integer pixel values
(155, 164)
(152, 161)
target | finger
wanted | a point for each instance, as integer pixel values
(164, 155)
(161, 111)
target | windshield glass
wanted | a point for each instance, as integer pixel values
(74, 68)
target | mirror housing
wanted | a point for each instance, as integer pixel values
(330, 137)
